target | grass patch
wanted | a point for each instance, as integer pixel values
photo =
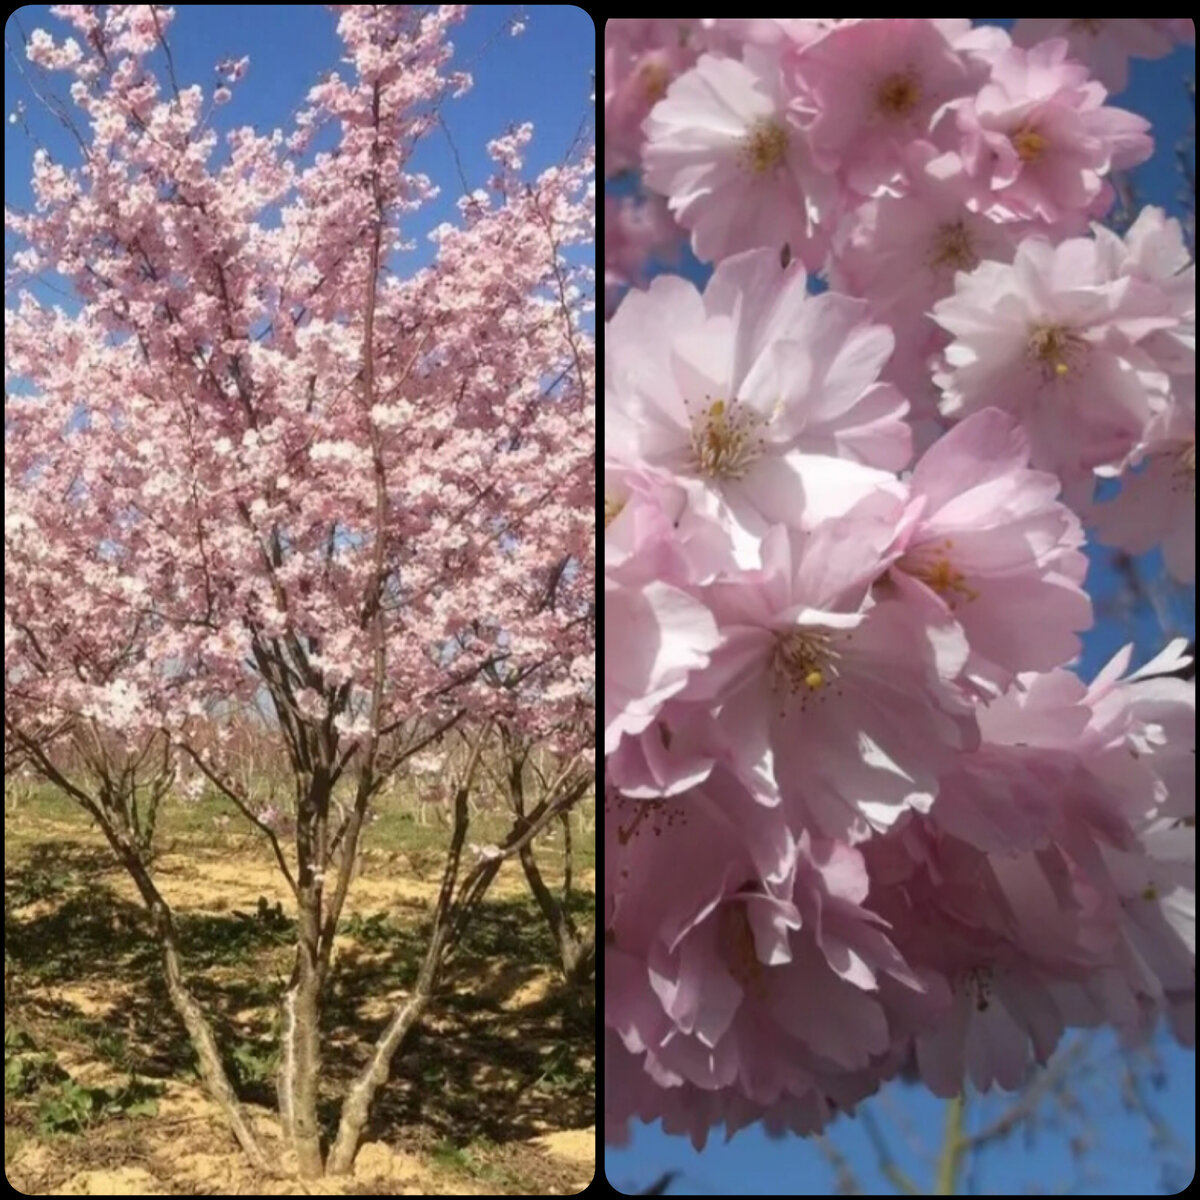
(505, 1052)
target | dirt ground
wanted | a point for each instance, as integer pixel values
(494, 1095)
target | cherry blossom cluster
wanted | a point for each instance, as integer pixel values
(250, 432)
(861, 817)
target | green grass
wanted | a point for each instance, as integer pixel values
(471, 1160)
(393, 827)
(69, 933)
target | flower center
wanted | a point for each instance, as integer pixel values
(655, 78)
(633, 818)
(977, 983)
(804, 662)
(1092, 25)
(726, 439)
(898, 94)
(1056, 348)
(765, 147)
(951, 248)
(736, 941)
(932, 566)
(612, 509)
(1029, 144)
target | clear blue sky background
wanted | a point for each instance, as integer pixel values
(1125, 1159)
(542, 76)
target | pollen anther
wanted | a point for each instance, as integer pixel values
(952, 248)
(612, 509)
(898, 94)
(1056, 349)
(765, 147)
(804, 663)
(726, 439)
(1029, 144)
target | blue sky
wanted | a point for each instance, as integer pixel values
(1125, 1159)
(1122, 1160)
(542, 76)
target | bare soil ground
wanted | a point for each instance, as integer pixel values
(494, 1095)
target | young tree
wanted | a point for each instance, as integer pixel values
(254, 461)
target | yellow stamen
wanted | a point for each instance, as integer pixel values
(1056, 348)
(726, 439)
(655, 78)
(932, 566)
(1029, 144)
(898, 94)
(612, 509)
(765, 147)
(951, 247)
(803, 663)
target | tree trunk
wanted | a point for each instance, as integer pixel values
(299, 1069)
(356, 1108)
(185, 1004)
(577, 955)
(300, 1058)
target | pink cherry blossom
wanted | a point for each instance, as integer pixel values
(993, 542)
(655, 637)
(1001, 961)
(1104, 44)
(737, 173)
(763, 398)
(641, 57)
(714, 968)
(868, 89)
(845, 703)
(901, 253)
(1052, 341)
(1039, 137)
(877, 825)
(1157, 502)
(1152, 717)
(1100, 771)
(1154, 252)
(282, 449)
